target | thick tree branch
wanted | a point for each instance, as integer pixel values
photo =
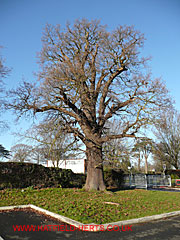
(55, 108)
(105, 90)
(115, 108)
(79, 112)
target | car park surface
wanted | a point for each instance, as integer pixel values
(162, 229)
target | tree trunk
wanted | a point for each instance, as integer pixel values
(94, 180)
(146, 164)
(175, 164)
(139, 163)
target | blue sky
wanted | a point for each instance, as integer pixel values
(22, 23)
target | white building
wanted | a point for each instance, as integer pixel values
(76, 165)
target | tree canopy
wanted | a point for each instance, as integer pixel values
(89, 76)
(50, 142)
(166, 149)
(3, 152)
(142, 149)
(3, 73)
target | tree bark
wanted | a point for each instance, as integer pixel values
(146, 164)
(94, 179)
(139, 163)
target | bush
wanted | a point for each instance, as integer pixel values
(113, 178)
(173, 182)
(78, 180)
(23, 175)
(175, 174)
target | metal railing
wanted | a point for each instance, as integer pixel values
(146, 180)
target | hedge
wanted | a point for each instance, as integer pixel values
(22, 175)
(113, 178)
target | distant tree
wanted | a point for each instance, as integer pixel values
(38, 155)
(3, 73)
(4, 153)
(89, 76)
(166, 149)
(141, 150)
(51, 142)
(21, 153)
(116, 153)
(160, 157)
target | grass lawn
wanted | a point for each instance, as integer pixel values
(91, 207)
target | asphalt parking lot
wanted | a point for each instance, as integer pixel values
(164, 229)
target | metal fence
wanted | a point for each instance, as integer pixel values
(146, 180)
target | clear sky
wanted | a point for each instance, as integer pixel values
(22, 23)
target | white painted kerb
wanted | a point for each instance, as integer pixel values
(89, 226)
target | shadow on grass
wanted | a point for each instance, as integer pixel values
(120, 189)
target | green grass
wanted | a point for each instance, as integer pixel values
(90, 207)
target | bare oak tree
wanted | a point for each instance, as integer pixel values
(166, 149)
(21, 153)
(88, 76)
(50, 142)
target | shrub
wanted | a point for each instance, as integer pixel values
(113, 178)
(173, 182)
(23, 175)
(174, 176)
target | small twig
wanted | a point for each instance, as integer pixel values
(112, 203)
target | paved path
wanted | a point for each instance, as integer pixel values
(164, 229)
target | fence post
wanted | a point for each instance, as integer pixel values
(146, 185)
(130, 180)
(169, 177)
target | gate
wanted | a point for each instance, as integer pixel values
(158, 181)
(146, 181)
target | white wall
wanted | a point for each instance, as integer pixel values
(76, 165)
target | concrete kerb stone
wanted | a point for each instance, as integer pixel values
(57, 216)
(6, 208)
(89, 227)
